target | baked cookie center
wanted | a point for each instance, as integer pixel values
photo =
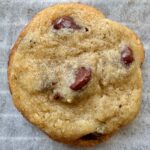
(80, 77)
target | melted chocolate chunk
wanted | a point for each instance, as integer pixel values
(65, 22)
(120, 106)
(91, 136)
(54, 83)
(57, 96)
(127, 56)
(83, 76)
(86, 29)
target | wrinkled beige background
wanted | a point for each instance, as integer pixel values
(15, 132)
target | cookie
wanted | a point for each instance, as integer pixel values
(76, 75)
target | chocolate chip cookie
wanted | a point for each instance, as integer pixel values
(76, 75)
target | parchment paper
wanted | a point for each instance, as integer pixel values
(15, 132)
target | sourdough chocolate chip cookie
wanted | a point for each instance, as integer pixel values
(76, 75)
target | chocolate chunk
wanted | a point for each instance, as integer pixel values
(65, 22)
(82, 77)
(120, 106)
(54, 83)
(86, 29)
(91, 136)
(57, 96)
(127, 56)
